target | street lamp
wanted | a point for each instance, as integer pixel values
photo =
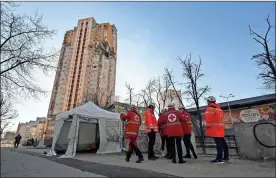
(227, 98)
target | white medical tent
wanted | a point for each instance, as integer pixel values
(78, 128)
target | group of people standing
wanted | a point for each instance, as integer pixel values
(173, 126)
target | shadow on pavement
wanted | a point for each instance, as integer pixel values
(97, 168)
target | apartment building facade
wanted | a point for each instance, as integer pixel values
(87, 65)
(86, 68)
(173, 98)
(33, 129)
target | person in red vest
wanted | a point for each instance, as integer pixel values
(151, 129)
(163, 134)
(133, 122)
(172, 123)
(187, 130)
(214, 120)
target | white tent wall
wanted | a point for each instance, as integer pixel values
(110, 136)
(57, 130)
(62, 141)
(73, 138)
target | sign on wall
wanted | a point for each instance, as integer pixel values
(262, 112)
(250, 115)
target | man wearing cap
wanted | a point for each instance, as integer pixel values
(172, 121)
(133, 122)
(187, 130)
(151, 129)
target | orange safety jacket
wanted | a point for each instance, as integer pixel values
(150, 121)
(214, 120)
(133, 122)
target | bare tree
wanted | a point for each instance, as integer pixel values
(138, 100)
(99, 98)
(162, 85)
(192, 74)
(7, 112)
(130, 94)
(266, 59)
(23, 53)
(147, 93)
(170, 78)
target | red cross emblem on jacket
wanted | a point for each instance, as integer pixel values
(172, 117)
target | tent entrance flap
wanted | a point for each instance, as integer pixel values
(62, 141)
(87, 136)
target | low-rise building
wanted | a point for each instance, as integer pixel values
(21, 129)
(172, 97)
(32, 129)
(244, 110)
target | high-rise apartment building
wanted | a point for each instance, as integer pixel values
(86, 68)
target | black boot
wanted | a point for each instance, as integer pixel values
(181, 161)
(140, 159)
(174, 160)
(156, 157)
(187, 156)
(128, 155)
(169, 156)
(139, 154)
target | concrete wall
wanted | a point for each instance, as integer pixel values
(142, 141)
(249, 148)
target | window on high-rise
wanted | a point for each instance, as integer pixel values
(105, 33)
(93, 24)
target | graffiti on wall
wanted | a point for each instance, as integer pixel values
(143, 140)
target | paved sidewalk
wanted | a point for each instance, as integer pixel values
(98, 168)
(111, 163)
(14, 164)
(193, 168)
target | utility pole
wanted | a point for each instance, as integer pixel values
(227, 99)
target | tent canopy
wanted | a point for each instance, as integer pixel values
(110, 128)
(89, 110)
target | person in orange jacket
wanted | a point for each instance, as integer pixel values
(214, 120)
(133, 122)
(163, 134)
(187, 130)
(172, 123)
(151, 129)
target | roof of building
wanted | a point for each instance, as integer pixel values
(264, 99)
(123, 104)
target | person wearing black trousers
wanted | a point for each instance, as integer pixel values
(187, 130)
(151, 129)
(164, 137)
(221, 146)
(189, 146)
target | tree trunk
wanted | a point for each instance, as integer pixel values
(202, 141)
